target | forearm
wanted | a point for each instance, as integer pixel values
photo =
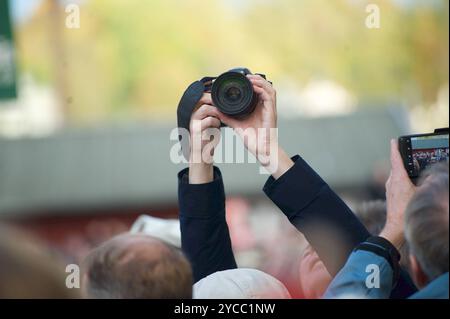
(316, 211)
(394, 234)
(279, 163)
(207, 245)
(205, 237)
(200, 173)
(323, 218)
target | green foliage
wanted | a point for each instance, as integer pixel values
(134, 58)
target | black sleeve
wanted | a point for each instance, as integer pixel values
(204, 232)
(322, 217)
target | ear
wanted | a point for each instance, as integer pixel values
(419, 276)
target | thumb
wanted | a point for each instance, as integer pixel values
(397, 165)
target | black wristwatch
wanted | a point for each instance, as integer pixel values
(383, 248)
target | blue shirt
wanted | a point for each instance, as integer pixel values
(368, 275)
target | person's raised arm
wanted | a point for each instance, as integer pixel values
(204, 233)
(302, 195)
(399, 191)
(380, 251)
(258, 131)
(310, 205)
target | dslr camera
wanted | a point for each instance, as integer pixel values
(232, 93)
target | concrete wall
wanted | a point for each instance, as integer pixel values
(130, 165)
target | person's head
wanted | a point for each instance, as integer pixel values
(240, 283)
(29, 270)
(134, 266)
(426, 226)
(314, 278)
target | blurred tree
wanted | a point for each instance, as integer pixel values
(134, 58)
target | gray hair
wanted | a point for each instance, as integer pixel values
(136, 266)
(427, 222)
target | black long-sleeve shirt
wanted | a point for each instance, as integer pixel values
(308, 202)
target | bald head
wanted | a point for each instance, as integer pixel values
(136, 266)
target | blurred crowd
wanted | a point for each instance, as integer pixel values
(423, 158)
(30, 269)
(320, 248)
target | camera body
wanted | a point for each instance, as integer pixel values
(232, 92)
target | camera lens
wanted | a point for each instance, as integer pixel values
(232, 93)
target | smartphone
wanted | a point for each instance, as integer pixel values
(422, 150)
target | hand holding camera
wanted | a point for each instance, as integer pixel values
(243, 101)
(203, 140)
(258, 130)
(255, 128)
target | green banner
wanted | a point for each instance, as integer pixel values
(7, 61)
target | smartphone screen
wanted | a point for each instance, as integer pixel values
(421, 151)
